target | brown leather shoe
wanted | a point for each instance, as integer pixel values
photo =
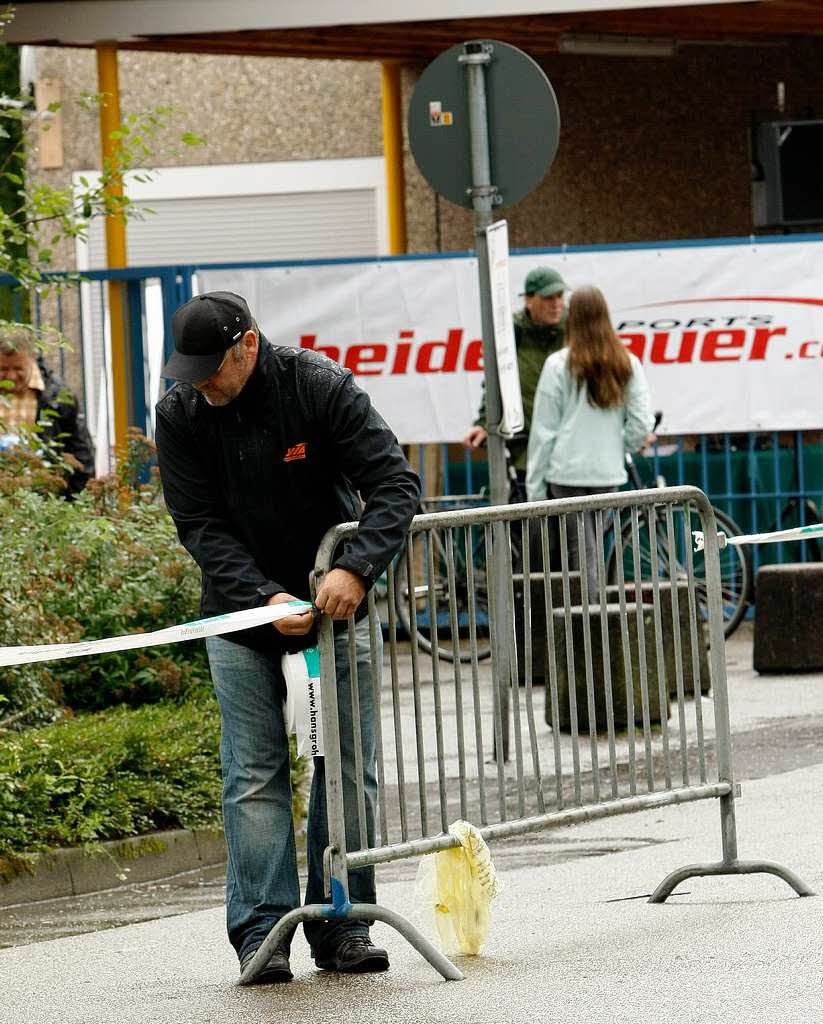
(276, 970)
(353, 954)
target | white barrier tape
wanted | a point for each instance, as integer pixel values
(775, 537)
(217, 625)
(699, 539)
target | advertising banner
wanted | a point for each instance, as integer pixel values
(730, 335)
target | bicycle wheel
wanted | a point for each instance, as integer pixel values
(797, 512)
(430, 593)
(735, 564)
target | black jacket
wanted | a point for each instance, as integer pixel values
(63, 423)
(254, 485)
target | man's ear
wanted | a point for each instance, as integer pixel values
(250, 341)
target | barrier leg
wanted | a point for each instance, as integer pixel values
(374, 912)
(361, 912)
(737, 867)
(730, 865)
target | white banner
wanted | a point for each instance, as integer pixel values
(730, 335)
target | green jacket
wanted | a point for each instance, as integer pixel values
(535, 343)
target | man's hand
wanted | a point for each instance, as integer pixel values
(340, 593)
(475, 437)
(293, 625)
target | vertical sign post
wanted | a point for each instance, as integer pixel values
(483, 195)
(483, 127)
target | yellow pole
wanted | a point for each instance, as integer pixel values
(109, 88)
(396, 205)
(393, 153)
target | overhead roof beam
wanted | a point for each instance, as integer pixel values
(87, 21)
(154, 25)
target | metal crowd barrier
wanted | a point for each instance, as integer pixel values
(613, 663)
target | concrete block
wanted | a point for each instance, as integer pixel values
(538, 619)
(538, 630)
(616, 665)
(141, 859)
(668, 633)
(787, 634)
(211, 847)
(51, 878)
(74, 872)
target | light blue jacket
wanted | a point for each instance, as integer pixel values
(577, 444)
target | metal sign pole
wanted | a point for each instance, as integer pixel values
(475, 58)
(483, 195)
(499, 99)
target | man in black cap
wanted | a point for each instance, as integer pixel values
(538, 331)
(261, 450)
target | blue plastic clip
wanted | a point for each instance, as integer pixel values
(340, 905)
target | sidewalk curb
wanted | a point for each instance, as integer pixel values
(75, 872)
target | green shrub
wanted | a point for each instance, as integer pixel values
(106, 564)
(28, 466)
(113, 774)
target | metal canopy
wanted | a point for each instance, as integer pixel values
(408, 31)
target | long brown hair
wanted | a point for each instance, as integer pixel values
(596, 356)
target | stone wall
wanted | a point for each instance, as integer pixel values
(650, 148)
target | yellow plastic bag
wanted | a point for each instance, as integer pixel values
(455, 889)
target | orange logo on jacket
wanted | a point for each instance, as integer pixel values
(297, 451)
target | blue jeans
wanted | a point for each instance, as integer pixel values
(261, 876)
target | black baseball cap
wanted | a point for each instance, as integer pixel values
(204, 328)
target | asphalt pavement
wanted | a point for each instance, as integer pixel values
(572, 938)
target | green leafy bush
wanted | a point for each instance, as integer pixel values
(24, 467)
(113, 774)
(107, 564)
(141, 754)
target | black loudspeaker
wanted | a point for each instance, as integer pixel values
(788, 185)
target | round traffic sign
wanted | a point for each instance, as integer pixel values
(523, 123)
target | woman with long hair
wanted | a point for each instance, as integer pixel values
(591, 406)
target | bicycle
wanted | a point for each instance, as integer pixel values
(735, 570)
(436, 555)
(735, 560)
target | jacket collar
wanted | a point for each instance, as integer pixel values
(254, 386)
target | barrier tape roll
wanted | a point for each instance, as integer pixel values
(303, 708)
(216, 625)
(775, 537)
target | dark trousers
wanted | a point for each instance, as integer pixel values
(587, 559)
